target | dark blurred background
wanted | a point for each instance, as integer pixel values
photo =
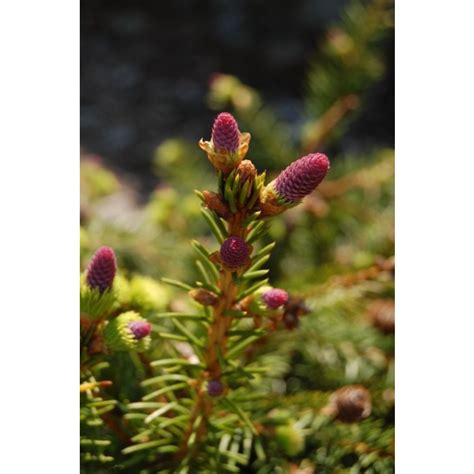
(146, 66)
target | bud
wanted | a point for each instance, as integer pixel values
(243, 186)
(215, 388)
(128, 332)
(102, 269)
(215, 202)
(204, 297)
(382, 315)
(234, 253)
(140, 329)
(247, 171)
(228, 146)
(295, 182)
(290, 439)
(350, 404)
(275, 298)
(255, 303)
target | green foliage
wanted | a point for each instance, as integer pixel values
(350, 58)
(290, 438)
(96, 181)
(94, 438)
(94, 303)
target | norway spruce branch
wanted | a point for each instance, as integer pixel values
(194, 414)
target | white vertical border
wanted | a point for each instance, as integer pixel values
(39, 202)
(434, 236)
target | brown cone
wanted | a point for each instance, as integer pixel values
(350, 404)
(382, 315)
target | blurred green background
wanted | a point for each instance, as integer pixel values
(316, 76)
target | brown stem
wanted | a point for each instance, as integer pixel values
(221, 323)
(217, 339)
(217, 333)
(114, 424)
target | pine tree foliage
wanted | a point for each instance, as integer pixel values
(335, 344)
(350, 59)
(95, 439)
(196, 413)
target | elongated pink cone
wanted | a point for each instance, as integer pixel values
(234, 252)
(228, 146)
(301, 177)
(225, 133)
(102, 269)
(140, 329)
(275, 298)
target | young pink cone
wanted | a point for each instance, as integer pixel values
(140, 329)
(275, 298)
(302, 177)
(215, 388)
(102, 269)
(228, 146)
(234, 252)
(294, 183)
(225, 133)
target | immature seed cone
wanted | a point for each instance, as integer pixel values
(234, 252)
(215, 388)
(275, 298)
(302, 176)
(102, 269)
(350, 404)
(382, 315)
(294, 183)
(128, 332)
(225, 134)
(140, 329)
(228, 146)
